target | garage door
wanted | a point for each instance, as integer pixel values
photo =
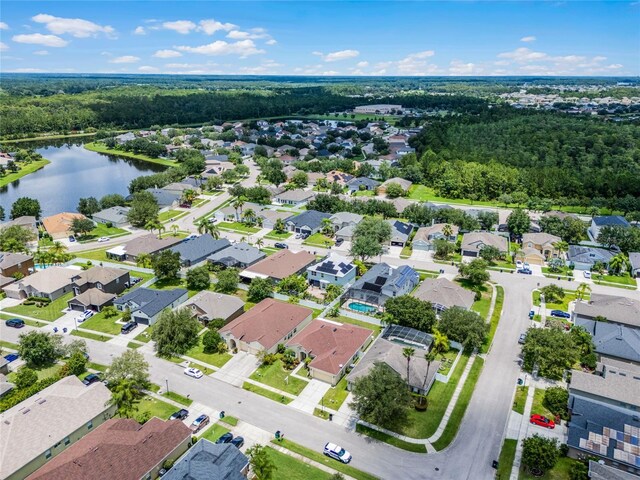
(141, 320)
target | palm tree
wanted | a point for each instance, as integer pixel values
(279, 226)
(161, 229)
(188, 196)
(259, 243)
(198, 179)
(561, 247)
(440, 342)
(249, 217)
(619, 263)
(582, 290)
(327, 227)
(429, 357)
(57, 251)
(205, 226)
(407, 353)
(143, 260)
(174, 229)
(125, 396)
(152, 225)
(238, 203)
(447, 231)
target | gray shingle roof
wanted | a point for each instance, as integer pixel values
(445, 292)
(115, 214)
(620, 383)
(199, 248)
(400, 231)
(151, 301)
(355, 183)
(583, 254)
(240, 252)
(613, 307)
(613, 339)
(207, 460)
(611, 220)
(310, 218)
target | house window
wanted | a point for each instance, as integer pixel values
(67, 441)
(99, 286)
(47, 454)
(57, 445)
(90, 424)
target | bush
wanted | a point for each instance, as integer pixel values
(556, 400)
(16, 396)
(269, 359)
(25, 377)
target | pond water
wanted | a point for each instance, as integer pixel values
(72, 174)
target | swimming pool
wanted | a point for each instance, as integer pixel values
(361, 307)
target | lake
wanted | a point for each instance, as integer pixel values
(72, 174)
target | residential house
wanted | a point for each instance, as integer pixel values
(382, 282)
(28, 222)
(332, 347)
(597, 223)
(207, 460)
(344, 219)
(15, 264)
(336, 176)
(334, 269)
(345, 233)
(207, 306)
(605, 414)
(146, 244)
(601, 471)
(400, 232)
(583, 257)
(232, 214)
(124, 138)
(296, 197)
(388, 350)
(426, 236)
(619, 336)
(238, 255)
(474, 242)
(362, 183)
(309, 222)
(51, 283)
(120, 448)
(280, 265)
(165, 198)
(97, 287)
(405, 184)
(146, 304)
(5, 385)
(116, 216)
(378, 109)
(269, 218)
(197, 249)
(266, 325)
(634, 261)
(59, 225)
(43, 426)
(180, 188)
(544, 243)
(444, 294)
(313, 177)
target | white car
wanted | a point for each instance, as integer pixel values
(335, 451)
(85, 315)
(193, 372)
(586, 274)
(298, 235)
(518, 264)
(103, 239)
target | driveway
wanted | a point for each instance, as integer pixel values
(310, 397)
(238, 369)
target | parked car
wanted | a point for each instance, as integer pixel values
(72, 238)
(103, 239)
(199, 423)
(85, 315)
(525, 271)
(560, 314)
(91, 378)
(180, 414)
(14, 323)
(586, 274)
(225, 438)
(542, 421)
(11, 357)
(523, 337)
(305, 236)
(339, 241)
(237, 442)
(298, 235)
(518, 264)
(193, 372)
(334, 451)
(127, 327)
(280, 245)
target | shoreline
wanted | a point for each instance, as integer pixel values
(23, 172)
(98, 148)
(47, 137)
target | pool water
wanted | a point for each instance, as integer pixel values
(361, 307)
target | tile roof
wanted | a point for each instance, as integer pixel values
(613, 307)
(61, 222)
(31, 427)
(330, 344)
(151, 301)
(208, 461)
(200, 247)
(445, 292)
(215, 305)
(119, 448)
(267, 322)
(282, 264)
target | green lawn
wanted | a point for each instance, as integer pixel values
(5, 344)
(569, 297)
(102, 324)
(536, 298)
(229, 420)
(277, 377)
(495, 318)
(559, 472)
(390, 439)
(214, 432)
(290, 467)
(50, 312)
(481, 307)
(145, 335)
(278, 236)
(172, 284)
(459, 410)
(319, 240)
(266, 393)
(43, 373)
(97, 255)
(537, 407)
(342, 319)
(238, 227)
(425, 424)
(91, 336)
(215, 359)
(102, 148)
(156, 408)
(507, 456)
(320, 458)
(168, 215)
(176, 397)
(406, 251)
(335, 397)
(97, 366)
(25, 169)
(520, 399)
(365, 193)
(32, 323)
(101, 230)
(622, 280)
(133, 345)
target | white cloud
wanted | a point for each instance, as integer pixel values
(40, 39)
(140, 31)
(181, 26)
(456, 67)
(362, 64)
(147, 69)
(41, 52)
(167, 54)
(413, 64)
(125, 59)
(4, 26)
(3, 47)
(337, 56)
(28, 70)
(212, 26)
(271, 41)
(76, 27)
(527, 39)
(243, 48)
(266, 67)
(524, 55)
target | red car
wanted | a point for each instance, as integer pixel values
(542, 421)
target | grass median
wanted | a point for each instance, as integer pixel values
(390, 439)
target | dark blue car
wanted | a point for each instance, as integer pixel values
(226, 438)
(560, 314)
(11, 357)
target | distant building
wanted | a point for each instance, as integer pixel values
(382, 108)
(598, 223)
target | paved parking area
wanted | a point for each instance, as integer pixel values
(238, 369)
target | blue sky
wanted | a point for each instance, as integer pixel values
(322, 38)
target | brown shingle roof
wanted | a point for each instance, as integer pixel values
(103, 275)
(282, 264)
(267, 322)
(120, 448)
(330, 344)
(149, 244)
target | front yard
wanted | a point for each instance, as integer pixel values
(319, 240)
(538, 407)
(215, 359)
(273, 235)
(101, 230)
(335, 396)
(168, 215)
(50, 312)
(238, 227)
(290, 467)
(156, 408)
(100, 323)
(276, 376)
